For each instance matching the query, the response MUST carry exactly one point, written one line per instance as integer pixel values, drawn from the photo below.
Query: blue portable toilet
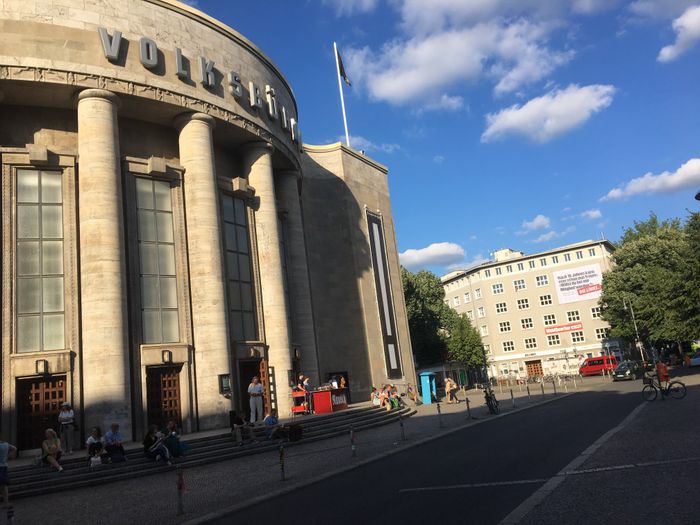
(427, 385)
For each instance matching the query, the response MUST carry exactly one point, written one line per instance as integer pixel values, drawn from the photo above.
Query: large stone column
(105, 351)
(207, 279)
(298, 273)
(257, 162)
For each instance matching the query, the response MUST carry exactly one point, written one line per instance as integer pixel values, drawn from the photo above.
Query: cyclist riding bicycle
(662, 372)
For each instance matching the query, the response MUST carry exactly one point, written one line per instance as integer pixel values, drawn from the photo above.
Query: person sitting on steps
(114, 444)
(94, 447)
(154, 445)
(51, 449)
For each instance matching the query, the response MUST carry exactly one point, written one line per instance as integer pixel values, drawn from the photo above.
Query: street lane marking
(562, 474)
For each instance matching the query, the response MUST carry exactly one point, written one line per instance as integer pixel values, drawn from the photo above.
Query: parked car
(628, 370)
(597, 365)
(695, 359)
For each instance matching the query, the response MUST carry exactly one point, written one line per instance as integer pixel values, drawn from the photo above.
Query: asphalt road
(532, 444)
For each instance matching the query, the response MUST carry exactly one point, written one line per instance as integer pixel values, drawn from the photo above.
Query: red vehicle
(597, 365)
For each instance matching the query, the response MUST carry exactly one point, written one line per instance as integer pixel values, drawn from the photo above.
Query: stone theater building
(166, 235)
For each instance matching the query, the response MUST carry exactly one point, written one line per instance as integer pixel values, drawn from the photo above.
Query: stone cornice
(129, 87)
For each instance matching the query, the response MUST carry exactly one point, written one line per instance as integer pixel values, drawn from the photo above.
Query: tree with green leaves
(464, 342)
(655, 272)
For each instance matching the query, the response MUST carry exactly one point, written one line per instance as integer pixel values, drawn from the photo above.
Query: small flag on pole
(341, 69)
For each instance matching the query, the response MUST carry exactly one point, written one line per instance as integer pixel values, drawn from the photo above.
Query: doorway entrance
(163, 395)
(534, 368)
(38, 404)
(246, 370)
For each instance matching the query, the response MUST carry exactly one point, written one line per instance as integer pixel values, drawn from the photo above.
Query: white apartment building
(537, 314)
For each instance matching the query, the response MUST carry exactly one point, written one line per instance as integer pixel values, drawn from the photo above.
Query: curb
(221, 513)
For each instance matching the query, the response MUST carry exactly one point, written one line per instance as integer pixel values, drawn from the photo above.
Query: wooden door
(534, 368)
(163, 395)
(38, 404)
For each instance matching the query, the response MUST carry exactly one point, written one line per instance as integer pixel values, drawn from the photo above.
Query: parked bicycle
(490, 398)
(675, 389)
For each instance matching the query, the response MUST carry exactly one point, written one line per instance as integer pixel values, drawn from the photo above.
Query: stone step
(77, 474)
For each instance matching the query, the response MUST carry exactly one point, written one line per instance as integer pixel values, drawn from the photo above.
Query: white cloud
(540, 222)
(359, 142)
(475, 261)
(687, 28)
(592, 214)
(437, 254)
(438, 159)
(546, 117)
(663, 9)
(350, 7)
(588, 7)
(552, 234)
(687, 176)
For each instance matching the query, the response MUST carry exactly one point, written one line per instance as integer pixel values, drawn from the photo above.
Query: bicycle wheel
(676, 390)
(649, 393)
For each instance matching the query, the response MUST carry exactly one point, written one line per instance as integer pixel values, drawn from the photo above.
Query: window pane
(168, 292)
(149, 260)
(52, 221)
(28, 334)
(53, 294)
(249, 326)
(147, 226)
(151, 326)
(166, 259)
(51, 187)
(232, 265)
(237, 321)
(242, 239)
(171, 331)
(244, 263)
(28, 258)
(28, 222)
(28, 295)
(144, 193)
(240, 211)
(165, 227)
(228, 209)
(149, 290)
(27, 186)
(234, 290)
(230, 233)
(162, 190)
(246, 296)
(52, 261)
(53, 332)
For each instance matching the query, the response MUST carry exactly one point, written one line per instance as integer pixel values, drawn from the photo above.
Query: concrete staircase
(31, 480)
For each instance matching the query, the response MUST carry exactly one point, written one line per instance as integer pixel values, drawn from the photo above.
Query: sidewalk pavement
(235, 483)
(647, 472)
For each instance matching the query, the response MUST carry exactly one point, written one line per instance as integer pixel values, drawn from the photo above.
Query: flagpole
(342, 98)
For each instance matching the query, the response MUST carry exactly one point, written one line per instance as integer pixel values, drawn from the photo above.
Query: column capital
(184, 118)
(100, 93)
(257, 147)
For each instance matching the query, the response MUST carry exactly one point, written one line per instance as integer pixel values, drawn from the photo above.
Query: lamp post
(625, 303)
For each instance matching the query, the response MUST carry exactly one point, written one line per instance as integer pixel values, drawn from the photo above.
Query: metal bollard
(512, 399)
(403, 433)
(353, 447)
(528, 392)
(575, 385)
(439, 411)
(10, 515)
(282, 476)
(554, 387)
(566, 388)
(542, 385)
(180, 484)
(469, 410)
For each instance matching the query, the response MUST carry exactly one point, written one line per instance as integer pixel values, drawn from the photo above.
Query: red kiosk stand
(328, 401)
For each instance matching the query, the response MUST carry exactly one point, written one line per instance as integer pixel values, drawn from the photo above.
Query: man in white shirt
(255, 391)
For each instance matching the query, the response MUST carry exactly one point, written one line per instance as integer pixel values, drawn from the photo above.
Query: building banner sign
(571, 327)
(578, 284)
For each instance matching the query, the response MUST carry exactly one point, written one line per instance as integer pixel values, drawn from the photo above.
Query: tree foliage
(656, 272)
(438, 333)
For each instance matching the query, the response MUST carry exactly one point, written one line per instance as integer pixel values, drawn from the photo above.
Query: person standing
(255, 391)
(6, 451)
(66, 420)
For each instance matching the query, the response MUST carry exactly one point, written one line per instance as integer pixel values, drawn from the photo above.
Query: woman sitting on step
(172, 440)
(94, 447)
(154, 445)
(51, 449)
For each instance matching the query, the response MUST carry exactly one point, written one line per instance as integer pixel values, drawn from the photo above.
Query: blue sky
(526, 124)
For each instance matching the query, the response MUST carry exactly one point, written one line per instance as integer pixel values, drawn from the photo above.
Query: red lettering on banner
(563, 328)
(589, 289)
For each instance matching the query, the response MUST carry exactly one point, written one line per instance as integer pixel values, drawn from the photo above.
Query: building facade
(536, 314)
(166, 235)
